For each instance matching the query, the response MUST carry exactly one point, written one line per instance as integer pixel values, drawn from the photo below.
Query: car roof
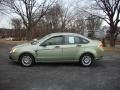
(65, 33)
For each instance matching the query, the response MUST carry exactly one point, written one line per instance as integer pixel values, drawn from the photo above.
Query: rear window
(75, 40)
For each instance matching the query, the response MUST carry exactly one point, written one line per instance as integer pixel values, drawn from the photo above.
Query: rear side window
(75, 40)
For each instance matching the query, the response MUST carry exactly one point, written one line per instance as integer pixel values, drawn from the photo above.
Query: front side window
(57, 40)
(75, 40)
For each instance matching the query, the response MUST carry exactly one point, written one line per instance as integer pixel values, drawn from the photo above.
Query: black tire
(26, 60)
(86, 60)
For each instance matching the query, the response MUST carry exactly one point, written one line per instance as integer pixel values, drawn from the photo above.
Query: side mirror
(35, 40)
(44, 45)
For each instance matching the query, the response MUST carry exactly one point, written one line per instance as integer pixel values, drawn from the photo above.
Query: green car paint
(59, 52)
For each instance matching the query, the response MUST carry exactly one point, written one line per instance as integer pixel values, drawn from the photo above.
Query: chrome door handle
(57, 46)
(78, 45)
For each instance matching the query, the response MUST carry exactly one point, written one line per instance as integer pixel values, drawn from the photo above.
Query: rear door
(72, 48)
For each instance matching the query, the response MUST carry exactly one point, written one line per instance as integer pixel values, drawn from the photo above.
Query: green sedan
(58, 47)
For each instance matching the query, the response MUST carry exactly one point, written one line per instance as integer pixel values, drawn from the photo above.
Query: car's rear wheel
(86, 60)
(26, 60)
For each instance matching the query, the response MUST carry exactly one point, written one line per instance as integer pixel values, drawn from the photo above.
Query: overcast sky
(5, 21)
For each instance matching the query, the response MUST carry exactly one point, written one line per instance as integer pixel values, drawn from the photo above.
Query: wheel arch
(26, 53)
(90, 53)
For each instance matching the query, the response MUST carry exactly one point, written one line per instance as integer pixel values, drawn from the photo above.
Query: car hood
(22, 45)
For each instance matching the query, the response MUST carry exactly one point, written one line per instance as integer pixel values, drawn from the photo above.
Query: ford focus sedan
(58, 47)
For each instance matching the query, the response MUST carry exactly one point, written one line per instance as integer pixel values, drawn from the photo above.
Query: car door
(50, 49)
(72, 48)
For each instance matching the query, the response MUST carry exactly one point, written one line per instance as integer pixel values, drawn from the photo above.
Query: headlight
(13, 50)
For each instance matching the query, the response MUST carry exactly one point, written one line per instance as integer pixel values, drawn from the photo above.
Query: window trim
(74, 43)
(53, 37)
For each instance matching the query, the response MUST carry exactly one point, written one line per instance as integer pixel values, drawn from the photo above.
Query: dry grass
(3, 41)
(112, 49)
(117, 42)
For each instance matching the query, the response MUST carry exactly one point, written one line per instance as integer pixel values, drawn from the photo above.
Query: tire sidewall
(86, 65)
(30, 56)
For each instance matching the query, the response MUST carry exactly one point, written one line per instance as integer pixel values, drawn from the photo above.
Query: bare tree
(30, 11)
(79, 25)
(1, 7)
(17, 26)
(111, 8)
(1, 1)
(59, 17)
(67, 16)
(53, 17)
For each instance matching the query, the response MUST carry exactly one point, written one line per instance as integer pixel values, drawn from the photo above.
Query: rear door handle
(78, 45)
(57, 46)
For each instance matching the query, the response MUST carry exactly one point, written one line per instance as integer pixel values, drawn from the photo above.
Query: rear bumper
(99, 54)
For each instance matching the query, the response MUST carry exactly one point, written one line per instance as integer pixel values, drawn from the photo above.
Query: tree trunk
(103, 42)
(19, 36)
(29, 33)
(112, 41)
(113, 35)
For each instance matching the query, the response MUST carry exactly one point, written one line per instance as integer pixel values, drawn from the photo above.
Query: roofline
(67, 33)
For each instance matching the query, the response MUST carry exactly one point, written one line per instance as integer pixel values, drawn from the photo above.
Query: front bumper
(10, 57)
(13, 57)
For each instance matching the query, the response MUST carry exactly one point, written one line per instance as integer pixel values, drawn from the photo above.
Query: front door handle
(78, 45)
(57, 46)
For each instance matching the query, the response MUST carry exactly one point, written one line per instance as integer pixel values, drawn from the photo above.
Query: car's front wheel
(86, 60)
(26, 60)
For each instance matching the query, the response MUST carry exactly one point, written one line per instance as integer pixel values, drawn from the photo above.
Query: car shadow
(61, 64)
(66, 64)
(14, 63)
(54, 64)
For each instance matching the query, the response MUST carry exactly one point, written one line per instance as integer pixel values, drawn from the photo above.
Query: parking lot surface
(103, 75)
